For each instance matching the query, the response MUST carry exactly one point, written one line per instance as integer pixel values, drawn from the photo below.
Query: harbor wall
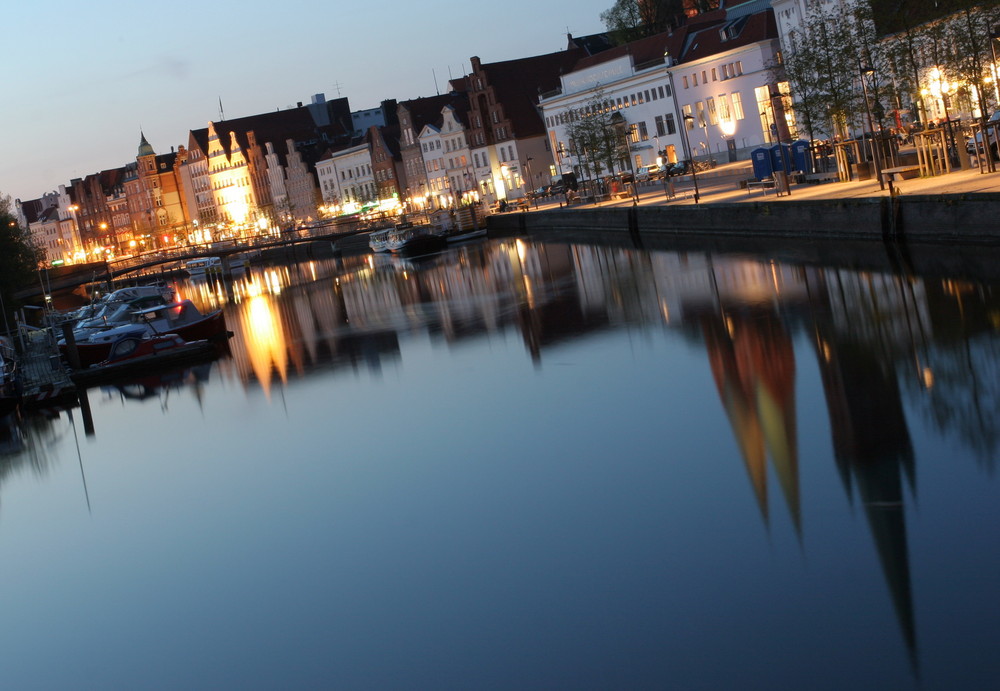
(949, 219)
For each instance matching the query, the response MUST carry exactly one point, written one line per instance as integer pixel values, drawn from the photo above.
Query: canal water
(519, 465)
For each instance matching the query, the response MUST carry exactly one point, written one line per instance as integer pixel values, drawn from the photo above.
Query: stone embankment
(950, 219)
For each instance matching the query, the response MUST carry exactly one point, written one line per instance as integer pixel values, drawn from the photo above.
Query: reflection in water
(882, 343)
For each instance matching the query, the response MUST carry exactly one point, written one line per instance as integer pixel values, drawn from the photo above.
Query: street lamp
(621, 129)
(687, 143)
(876, 154)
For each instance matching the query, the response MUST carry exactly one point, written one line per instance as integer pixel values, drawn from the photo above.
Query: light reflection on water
(520, 464)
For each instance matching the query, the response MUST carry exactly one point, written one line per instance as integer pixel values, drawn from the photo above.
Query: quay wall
(972, 219)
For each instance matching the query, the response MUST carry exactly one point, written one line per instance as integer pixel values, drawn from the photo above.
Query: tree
(629, 20)
(19, 257)
(593, 138)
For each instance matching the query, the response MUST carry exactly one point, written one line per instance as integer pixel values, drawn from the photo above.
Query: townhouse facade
(507, 135)
(413, 116)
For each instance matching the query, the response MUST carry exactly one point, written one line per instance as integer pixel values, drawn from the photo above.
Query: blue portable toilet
(762, 167)
(801, 158)
(781, 157)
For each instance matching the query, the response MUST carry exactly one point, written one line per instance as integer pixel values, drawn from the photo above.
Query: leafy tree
(18, 257)
(629, 20)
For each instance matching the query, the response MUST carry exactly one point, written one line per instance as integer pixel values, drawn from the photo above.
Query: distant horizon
(89, 86)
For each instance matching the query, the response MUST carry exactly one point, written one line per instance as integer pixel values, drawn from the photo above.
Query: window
(738, 105)
(699, 108)
(739, 67)
(669, 122)
(643, 134)
(685, 82)
(647, 95)
(713, 118)
(688, 118)
(633, 133)
(704, 76)
(724, 113)
(660, 129)
(714, 77)
(694, 79)
(660, 90)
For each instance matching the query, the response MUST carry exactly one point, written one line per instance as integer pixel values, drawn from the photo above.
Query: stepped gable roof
(274, 127)
(427, 110)
(517, 84)
(731, 34)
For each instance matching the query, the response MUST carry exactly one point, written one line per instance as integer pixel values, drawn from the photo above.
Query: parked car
(648, 172)
(679, 168)
(975, 143)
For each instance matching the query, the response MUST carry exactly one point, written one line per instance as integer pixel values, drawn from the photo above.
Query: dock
(45, 379)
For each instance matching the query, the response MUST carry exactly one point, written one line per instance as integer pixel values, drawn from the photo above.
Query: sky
(80, 81)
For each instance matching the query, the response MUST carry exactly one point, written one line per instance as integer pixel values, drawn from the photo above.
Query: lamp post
(876, 154)
(621, 129)
(687, 143)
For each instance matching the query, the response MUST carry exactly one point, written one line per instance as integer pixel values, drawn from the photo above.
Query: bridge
(330, 231)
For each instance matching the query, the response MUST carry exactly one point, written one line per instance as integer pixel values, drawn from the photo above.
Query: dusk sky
(82, 79)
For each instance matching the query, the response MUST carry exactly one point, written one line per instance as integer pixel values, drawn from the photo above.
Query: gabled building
(507, 135)
(387, 162)
(413, 116)
(292, 175)
(447, 158)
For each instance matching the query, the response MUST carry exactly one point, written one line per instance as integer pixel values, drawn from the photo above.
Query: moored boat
(410, 239)
(203, 266)
(378, 239)
(181, 318)
(131, 355)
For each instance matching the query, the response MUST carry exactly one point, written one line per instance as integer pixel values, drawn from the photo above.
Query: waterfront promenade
(722, 185)
(958, 208)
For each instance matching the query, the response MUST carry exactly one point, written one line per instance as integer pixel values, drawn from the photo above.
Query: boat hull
(211, 328)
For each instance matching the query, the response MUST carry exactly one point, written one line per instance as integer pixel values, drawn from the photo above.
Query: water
(520, 465)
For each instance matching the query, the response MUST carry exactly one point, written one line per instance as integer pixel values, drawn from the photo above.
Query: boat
(112, 314)
(132, 355)
(10, 379)
(181, 318)
(409, 239)
(378, 239)
(203, 266)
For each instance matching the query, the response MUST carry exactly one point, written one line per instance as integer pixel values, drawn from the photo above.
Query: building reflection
(882, 342)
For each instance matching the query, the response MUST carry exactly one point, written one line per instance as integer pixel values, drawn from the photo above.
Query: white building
(715, 76)
(345, 178)
(447, 159)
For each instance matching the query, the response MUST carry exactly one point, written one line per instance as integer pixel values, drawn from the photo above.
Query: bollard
(72, 354)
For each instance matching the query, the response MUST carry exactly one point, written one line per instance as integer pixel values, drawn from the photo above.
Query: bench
(765, 184)
(904, 173)
(817, 178)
